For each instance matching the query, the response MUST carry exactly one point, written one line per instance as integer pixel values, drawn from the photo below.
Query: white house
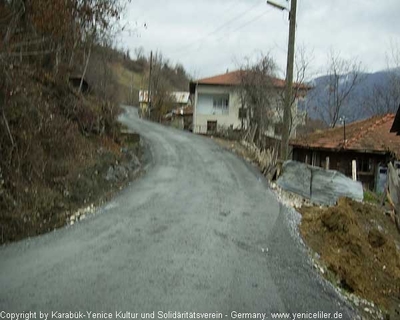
(217, 104)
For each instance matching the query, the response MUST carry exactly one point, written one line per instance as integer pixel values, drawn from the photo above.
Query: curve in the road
(200, 232)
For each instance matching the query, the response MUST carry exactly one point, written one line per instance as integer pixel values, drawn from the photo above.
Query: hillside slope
(56, 149)
(61, 149)
(132, 75)
(377, 93)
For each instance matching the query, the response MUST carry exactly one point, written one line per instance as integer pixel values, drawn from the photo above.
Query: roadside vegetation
(58, 139)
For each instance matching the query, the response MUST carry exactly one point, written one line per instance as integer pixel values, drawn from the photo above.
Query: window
(364, 165)
(221, 104)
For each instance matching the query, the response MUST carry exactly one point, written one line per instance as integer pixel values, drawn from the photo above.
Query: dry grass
(124, 78)
(61, 144)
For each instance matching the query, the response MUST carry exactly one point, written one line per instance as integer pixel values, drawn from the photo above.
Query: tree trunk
(71, 59)
(84, 71)
(8, 128)
(57, 59)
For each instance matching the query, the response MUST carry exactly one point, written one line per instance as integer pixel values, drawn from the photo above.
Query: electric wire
(216, 30)
(254, 19)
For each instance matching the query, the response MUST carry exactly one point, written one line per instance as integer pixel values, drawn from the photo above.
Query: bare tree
(257, 93)
(161, 100)
(303, 60)
(100, 75)
(32, 30)
(385, 96)
(12, 11)
(263, 94)
(139, 53)
(343, 77)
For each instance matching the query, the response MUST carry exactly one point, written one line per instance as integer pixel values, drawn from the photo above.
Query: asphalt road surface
(199, 232)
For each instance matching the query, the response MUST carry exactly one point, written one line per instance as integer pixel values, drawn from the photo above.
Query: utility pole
(343, 120)
(289, 77)
(289, 82)
(344, 132)
(149, 89)
(131, 97)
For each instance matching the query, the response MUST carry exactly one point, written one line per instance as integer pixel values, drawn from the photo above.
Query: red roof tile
(233, 79)
(371, 135)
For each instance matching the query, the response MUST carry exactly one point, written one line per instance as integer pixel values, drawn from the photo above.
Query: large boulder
(318, 185)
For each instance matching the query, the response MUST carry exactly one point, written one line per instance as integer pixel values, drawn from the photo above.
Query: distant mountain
(377, 92)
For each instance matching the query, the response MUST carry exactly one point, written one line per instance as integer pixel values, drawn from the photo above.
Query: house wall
(367, 163)
(204, 109)
(274, 130)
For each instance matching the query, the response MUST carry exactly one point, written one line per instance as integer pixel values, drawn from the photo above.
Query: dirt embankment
(59, 151)
(359, 245)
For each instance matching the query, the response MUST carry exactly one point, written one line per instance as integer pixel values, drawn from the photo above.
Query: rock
(356, 301)
(82, 217)
(134, 162)
(110, 174)
(116, 173)
(321, 186)
(296, 178)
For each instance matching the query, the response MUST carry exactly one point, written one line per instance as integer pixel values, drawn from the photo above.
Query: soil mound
(360, 246)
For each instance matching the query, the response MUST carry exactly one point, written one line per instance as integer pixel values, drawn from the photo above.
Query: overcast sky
(210, 36)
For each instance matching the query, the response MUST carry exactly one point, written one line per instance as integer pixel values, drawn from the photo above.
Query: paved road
(199, 232)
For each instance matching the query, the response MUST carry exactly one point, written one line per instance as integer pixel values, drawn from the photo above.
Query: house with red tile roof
(217, 103)
(369, 142)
